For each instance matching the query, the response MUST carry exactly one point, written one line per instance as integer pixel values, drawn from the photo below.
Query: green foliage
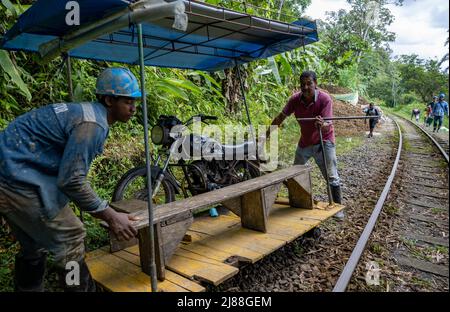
(405, 111)
(8, 67)
(422, 77)
(272, 9)
(409, 98)
(348, 77)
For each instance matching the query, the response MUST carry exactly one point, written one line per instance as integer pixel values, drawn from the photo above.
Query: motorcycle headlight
(157, 135)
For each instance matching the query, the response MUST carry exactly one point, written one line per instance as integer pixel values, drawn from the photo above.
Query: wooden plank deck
(211, 251)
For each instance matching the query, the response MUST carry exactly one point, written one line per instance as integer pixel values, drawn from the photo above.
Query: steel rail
(353, 261)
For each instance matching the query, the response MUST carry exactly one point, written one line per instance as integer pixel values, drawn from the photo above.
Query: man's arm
(276, 122)
(326, 111)
(82, 146)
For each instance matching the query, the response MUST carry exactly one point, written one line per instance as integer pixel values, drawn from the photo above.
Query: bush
(409, 98)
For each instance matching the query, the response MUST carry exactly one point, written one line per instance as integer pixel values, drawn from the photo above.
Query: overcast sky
(420, 25)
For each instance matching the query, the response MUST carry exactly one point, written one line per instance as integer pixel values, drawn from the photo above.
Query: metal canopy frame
(231, 23)
(170, 45)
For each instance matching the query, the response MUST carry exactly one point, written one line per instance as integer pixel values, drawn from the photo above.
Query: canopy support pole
(69, 76)
(66, 56)
(241, 82)
(153, 280)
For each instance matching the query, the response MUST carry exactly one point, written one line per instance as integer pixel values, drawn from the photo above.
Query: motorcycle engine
(205, 176)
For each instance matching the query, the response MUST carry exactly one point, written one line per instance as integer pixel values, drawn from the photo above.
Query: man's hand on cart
(119, 223)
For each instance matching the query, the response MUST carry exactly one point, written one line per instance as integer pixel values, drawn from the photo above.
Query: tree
(445, 57)
(351, 34)
(422, 77)
(290, 9)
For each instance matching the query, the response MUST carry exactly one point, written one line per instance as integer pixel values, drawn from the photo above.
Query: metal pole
(246, 104)
(339, 118)
(330, 198)
(153, 280)
(70, 85)
(69, 76)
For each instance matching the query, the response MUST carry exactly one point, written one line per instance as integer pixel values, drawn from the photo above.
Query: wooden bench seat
(251, 200)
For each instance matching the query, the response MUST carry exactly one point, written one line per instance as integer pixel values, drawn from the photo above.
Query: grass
(420, 282)
(391, 210)
(346, 144)
(405, 111)
(377, 248)
(437, 211)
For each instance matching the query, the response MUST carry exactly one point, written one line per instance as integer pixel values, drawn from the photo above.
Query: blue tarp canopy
(215, 38)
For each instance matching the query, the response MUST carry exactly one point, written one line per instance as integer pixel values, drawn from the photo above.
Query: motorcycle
(212, 170)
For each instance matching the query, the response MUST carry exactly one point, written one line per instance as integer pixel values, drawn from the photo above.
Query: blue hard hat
(117, 81)
(442, 95)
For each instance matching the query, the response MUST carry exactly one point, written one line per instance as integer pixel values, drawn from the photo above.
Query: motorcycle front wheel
(133, 185)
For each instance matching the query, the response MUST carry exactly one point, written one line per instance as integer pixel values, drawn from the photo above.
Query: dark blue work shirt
(51, 149)
(440, 108)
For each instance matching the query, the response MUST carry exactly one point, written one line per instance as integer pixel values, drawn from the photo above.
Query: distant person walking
(439, 110)
(416, 113)
(428, 119)
(372, 111)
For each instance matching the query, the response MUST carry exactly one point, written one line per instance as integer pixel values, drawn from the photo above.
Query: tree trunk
(231, 89)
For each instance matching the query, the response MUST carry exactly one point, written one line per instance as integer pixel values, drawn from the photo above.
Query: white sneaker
(340, 215)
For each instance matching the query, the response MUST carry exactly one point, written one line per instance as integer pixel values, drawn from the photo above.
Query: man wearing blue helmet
(440, 109)
(45, 157)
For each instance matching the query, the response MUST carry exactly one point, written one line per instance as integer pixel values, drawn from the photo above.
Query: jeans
(438, 121)
(303, 154)
(63, 236)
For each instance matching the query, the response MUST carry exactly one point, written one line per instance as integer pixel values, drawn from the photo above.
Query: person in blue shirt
(45, 157)
(440, 109)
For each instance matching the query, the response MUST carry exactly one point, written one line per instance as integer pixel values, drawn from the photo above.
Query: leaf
(177, 92)
(78, 93)
(209, 78)
(9, 7)
(10, 69)
(185, 84)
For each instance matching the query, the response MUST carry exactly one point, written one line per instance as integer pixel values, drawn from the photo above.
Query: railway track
(420, 176)
(425, 196)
